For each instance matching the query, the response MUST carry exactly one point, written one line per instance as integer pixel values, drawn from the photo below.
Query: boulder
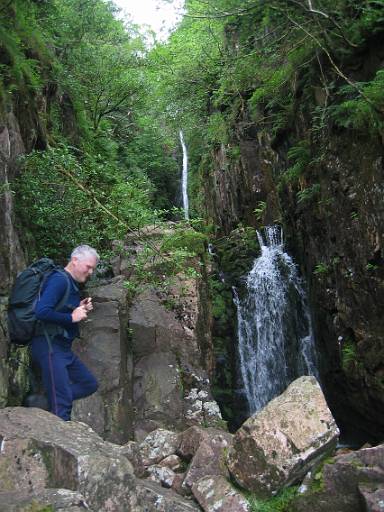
(103, 347)
(278, 445)
(41, 451)
(351, 483)
(215, 494)
(153, 498)
(158, 445)
(59, 500)
(209, 458)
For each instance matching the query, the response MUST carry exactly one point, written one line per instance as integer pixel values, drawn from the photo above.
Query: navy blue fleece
(53, 291)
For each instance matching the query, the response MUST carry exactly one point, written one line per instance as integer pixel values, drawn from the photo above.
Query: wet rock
(209, 458)
(215, 494)
(59, 500)
(40, 451)
(152, 498)
(158, 445)
(278, 445)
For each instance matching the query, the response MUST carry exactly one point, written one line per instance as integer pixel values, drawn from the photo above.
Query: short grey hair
(83, 251)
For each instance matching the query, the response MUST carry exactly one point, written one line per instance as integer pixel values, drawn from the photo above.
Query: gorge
(282, 110)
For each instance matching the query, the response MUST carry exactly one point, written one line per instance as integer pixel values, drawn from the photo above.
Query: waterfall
(184, 177)
(276, 343)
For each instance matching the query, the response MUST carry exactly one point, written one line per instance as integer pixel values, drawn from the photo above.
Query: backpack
(22, 322)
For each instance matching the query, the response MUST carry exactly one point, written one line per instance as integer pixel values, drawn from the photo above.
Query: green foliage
(188, 239)
(321, 268)
(175, 255)
(299, 157)
(348, 355)
(60, 215)
(217, 129)
(260, 210)
(280, 503)
(364, 111)
(308, 194)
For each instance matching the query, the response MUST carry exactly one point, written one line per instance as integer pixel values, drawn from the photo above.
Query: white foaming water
(184, 177)
(276, 343)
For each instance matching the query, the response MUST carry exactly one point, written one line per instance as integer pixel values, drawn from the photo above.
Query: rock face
(40, 451)
(171, 386)
(333, 221)
(103, 347)
(352, 483)
(11, 257)
(278, 445)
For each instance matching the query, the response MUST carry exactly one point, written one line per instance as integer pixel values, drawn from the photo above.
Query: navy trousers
(65, 377)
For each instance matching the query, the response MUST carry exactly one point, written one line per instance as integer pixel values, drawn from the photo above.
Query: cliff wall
(325, 186)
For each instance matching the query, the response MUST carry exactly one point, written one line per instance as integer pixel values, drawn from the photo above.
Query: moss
(237, 252)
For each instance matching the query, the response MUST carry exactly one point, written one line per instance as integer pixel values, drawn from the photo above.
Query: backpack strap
(64, 299)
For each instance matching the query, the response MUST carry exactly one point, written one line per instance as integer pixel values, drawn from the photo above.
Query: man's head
(82, 263)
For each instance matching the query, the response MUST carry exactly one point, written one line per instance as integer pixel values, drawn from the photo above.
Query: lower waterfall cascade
(275, 337)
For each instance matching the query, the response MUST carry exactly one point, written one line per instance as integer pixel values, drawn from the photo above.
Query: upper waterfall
(276, 343)
(184, 177)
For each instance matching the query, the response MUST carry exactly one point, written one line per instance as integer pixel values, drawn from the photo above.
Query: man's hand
(79, 314)
(87, 303)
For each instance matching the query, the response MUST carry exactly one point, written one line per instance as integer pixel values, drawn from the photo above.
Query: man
(65, 377)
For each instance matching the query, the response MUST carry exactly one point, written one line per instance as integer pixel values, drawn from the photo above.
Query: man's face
(83, 268)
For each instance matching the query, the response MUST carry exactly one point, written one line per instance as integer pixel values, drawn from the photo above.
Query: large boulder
(278, 445)
(351, 483)
(103, 347)
(40, 451)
